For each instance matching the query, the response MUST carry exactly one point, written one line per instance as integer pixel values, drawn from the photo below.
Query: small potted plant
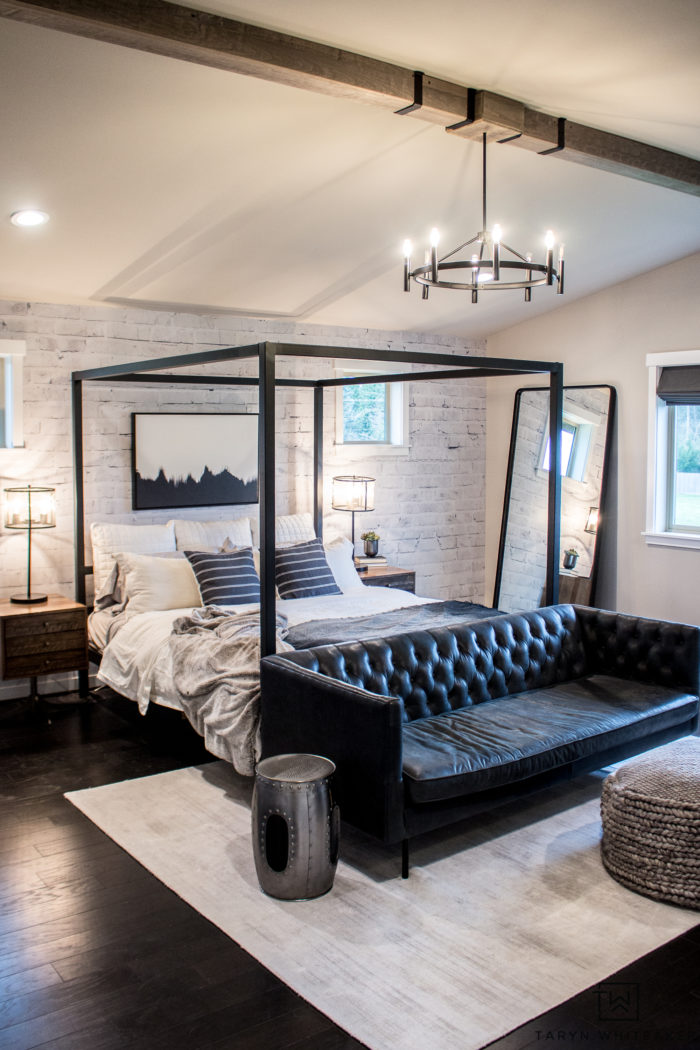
(570, 558)
(371, 539)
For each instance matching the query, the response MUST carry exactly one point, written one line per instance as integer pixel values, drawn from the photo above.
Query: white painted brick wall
(429, 504)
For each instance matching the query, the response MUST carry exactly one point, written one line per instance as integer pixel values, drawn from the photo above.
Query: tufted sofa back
(457, 666)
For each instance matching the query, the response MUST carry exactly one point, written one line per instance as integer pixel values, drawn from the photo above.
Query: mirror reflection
(585, 445)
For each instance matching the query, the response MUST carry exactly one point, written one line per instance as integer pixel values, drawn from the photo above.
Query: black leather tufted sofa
(429, 727)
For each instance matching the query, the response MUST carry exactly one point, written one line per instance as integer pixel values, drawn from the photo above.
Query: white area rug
(496, 924)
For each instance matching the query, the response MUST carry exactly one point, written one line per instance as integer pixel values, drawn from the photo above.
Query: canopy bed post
(556, 419)
(266, 474)
(318, 461)
(79, 511)
(78, 489)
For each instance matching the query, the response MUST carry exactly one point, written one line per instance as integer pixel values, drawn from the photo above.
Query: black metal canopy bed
(265, 625)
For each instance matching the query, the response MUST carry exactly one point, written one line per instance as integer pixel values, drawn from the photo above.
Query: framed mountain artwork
(193, 459)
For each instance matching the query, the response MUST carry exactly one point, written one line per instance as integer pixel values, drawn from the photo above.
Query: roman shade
(679, 385)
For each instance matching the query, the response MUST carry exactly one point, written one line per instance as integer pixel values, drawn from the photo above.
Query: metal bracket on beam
(417, 95)
(471, 111)
(511, 138)
(561, 139)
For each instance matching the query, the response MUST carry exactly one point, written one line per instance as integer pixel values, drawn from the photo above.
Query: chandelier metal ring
(422, 275)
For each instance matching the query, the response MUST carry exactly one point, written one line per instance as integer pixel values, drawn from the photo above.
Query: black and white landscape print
(193, 459)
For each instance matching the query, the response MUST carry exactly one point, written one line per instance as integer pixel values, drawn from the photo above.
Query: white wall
(429, 504)
(604, 339)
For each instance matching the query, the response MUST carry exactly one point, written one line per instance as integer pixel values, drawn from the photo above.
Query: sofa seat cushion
(509, 739)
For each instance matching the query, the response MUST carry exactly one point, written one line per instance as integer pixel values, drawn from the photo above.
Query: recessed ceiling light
(29, 217)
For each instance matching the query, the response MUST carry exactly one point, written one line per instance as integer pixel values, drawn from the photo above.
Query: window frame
(12, 354)
(659, 457)
(582, 422)
(397, 431)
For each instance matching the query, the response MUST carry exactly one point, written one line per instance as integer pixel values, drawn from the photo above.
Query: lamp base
(29, 599)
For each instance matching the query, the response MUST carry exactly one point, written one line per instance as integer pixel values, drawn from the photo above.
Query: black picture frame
(193, 459)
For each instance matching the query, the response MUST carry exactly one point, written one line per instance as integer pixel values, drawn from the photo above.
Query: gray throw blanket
(216, 672)
(380, 625)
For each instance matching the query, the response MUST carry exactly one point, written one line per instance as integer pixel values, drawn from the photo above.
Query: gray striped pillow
(302, 571)
(226, 579)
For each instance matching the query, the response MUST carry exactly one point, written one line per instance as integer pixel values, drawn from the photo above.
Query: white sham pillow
(294, 528)
(339, 553)
(108, 537)
(199, 535)
(149, 583)
(289, 529)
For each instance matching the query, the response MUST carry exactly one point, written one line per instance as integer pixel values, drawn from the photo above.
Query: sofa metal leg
(404, 859)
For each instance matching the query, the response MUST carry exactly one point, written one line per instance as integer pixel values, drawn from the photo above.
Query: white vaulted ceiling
(188, 187)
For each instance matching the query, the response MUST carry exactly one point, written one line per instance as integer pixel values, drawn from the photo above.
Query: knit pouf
(651, 823)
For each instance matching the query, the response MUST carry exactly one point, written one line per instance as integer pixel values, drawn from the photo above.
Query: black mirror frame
(603, 523)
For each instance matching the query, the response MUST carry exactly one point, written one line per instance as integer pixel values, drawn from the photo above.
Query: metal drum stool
(295, 826)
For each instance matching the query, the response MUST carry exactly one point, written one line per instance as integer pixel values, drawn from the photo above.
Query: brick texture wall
(429, 503)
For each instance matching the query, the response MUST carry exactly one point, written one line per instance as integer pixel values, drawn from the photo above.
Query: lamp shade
(591, 521)
(32, 507)
(352, 492)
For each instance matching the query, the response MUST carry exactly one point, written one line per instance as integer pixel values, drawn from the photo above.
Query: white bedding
(137, 660)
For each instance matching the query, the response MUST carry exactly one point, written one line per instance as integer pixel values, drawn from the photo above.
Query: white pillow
(339, 553)
(152, 583)
(294, 528)
(108, 538)
(198, 535)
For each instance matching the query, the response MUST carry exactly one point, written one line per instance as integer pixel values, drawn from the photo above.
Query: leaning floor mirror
(586, 439)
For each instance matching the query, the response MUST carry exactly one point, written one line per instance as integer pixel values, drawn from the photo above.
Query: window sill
(351, 450)
(689, 540)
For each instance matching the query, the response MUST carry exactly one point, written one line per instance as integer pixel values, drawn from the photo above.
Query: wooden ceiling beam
(175, 31)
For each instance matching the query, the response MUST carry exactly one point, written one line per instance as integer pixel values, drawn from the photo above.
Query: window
(366, 413)
(568, 437)
(576, 434)
(371, 414)
(683, 488)
(673, 467)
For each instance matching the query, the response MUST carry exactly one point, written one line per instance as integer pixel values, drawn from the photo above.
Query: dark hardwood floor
(96, 954)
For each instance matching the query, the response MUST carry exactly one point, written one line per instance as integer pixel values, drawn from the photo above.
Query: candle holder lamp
(355, 494)
(28, 509)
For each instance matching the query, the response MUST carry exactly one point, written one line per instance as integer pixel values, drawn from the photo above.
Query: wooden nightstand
(42, 639)
(389, 576)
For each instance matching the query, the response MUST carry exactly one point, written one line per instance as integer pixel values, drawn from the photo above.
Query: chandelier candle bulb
(434, 241)
(549, 262)
(560, 278)
(407, 247)
(475, 278)
(496, 237)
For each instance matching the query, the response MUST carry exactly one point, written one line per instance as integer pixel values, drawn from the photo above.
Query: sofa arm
(658, 651)
(304, 711)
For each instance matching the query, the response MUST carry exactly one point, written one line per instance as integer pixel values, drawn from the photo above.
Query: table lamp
(30, 508)
(355, 494)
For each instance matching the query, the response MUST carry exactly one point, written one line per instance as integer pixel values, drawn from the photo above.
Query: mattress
(137, 660)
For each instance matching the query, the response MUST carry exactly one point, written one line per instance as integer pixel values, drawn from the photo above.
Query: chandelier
(487, 266)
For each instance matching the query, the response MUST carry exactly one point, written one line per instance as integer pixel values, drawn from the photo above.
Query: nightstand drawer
(45, 663)
(48, 642)
(389, 576)
(49, 623)
(403, 583)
